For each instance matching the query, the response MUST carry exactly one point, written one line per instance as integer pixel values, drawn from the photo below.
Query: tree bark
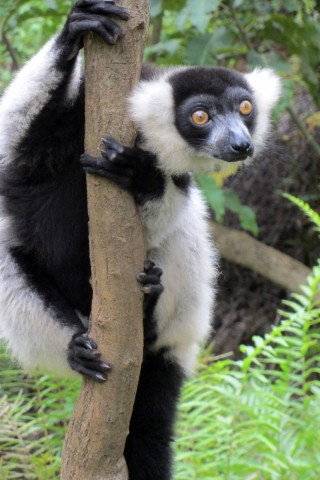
(242, 249)
(97, 432)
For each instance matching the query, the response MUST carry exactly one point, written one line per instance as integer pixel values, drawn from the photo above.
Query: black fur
(182, 182)
(84, 357)
(150, 280)
(151, 429)
(133, 169)
(44, 193)
(219, 94)
(89, 15)
(214, 81)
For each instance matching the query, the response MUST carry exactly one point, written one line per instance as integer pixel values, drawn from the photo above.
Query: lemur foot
(91, 15)
(83, 357)
(150, 281)
(132, 169)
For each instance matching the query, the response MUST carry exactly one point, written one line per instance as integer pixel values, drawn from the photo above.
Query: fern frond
(305, 207)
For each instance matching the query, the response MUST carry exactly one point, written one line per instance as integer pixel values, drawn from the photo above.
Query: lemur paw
(92, 15)
(118, 163)
(83, 357)
(132, 169)
(150, 279)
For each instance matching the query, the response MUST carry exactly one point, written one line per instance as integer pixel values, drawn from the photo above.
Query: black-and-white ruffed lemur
(189, 120)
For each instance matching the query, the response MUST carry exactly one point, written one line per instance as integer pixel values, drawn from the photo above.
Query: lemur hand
(91, 15)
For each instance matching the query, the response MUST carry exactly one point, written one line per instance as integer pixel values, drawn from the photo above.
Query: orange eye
(200, 117)
(245, 107)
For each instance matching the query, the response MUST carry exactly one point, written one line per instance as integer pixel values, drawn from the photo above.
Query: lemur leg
(41, 336)
(43, 219)
(148, 447)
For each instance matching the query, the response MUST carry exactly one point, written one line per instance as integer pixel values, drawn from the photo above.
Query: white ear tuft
(266, 87)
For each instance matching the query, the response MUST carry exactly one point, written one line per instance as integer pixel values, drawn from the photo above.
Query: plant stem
(242, 33)
(315, 146)
(12, 53)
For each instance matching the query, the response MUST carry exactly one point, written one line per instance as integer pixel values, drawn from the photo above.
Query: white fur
(178, 239)
(75, 80)
(152, 108)
(28, 93)
(177, 231)
(266, 88)
(29, 329)
(25, 97)
(178, 242)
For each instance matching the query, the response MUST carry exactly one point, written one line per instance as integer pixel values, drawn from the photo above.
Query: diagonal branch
(241, 249)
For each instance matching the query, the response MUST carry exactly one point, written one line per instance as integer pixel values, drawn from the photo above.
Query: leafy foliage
(284, 35)
(222, 199)
(259, 417)
(24, 27)
(309, 212)
(34, 412)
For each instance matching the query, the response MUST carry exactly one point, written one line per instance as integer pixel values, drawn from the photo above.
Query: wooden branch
(240, 248)
(12, 53)
(97, 433)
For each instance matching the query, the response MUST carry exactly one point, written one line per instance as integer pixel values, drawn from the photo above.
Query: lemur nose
(241, 147)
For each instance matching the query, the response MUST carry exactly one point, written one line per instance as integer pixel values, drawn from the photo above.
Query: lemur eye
(200, 117)
(245, 107)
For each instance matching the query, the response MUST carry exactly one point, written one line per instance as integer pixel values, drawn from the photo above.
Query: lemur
(189, 119)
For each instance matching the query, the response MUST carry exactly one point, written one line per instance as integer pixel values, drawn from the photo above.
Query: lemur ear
(266, 88)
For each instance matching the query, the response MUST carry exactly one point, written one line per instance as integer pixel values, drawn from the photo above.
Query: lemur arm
(53, 74)
(44, 263)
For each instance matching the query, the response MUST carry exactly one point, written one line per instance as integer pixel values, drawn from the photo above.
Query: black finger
(87, 342)
(144, 278)
(152, 288)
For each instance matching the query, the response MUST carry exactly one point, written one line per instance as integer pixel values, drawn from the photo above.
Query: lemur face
(201, 119)
(216, 117)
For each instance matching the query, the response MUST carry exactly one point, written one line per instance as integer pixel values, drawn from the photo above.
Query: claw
(83, 357)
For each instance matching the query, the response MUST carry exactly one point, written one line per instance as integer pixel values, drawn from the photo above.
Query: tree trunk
(97, 433)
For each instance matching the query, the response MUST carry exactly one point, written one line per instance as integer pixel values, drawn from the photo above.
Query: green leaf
(156, 7)
(51, 4)
(213, 195)
(197, 13)
(247, 216)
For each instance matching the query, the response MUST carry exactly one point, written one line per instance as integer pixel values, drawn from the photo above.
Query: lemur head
(201, 119)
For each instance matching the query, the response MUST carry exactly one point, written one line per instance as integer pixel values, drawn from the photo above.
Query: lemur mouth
(229, 154)
(233, 155)
(234, 158)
